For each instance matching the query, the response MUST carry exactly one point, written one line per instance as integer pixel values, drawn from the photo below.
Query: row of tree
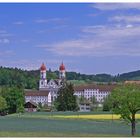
(29, 79)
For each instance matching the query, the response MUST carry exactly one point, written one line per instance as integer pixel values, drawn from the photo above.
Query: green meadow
(50, 125)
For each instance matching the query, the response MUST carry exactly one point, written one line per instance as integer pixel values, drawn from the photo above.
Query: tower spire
(43, 80)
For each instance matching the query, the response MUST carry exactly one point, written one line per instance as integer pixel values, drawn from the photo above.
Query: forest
(29, 79)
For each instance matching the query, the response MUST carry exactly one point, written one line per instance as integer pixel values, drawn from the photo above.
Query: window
(41, 82)
(87, 108)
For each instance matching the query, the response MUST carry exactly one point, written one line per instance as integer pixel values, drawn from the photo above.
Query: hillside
(135, 75)
(29, 79)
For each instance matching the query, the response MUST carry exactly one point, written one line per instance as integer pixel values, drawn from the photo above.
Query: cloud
(4, 41)
(4, 33)
(58, 20)
(116, 6)
(4, 37)
(23, 64)
(126, 19)
(24, 40)
(93, 14)
(129, 26)
(41, 21)
(35, 64)
(18, 23)
(54, 29)
(100, 41)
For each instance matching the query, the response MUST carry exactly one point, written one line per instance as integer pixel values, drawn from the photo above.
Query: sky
(89, 38)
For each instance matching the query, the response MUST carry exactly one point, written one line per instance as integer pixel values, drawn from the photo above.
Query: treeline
(29, 79)
(22, 78)
(18, 77)
(135, 75)
(97, 77)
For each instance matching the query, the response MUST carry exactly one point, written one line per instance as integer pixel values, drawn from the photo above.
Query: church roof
(43, 67)
(62, 67)
(36, 92)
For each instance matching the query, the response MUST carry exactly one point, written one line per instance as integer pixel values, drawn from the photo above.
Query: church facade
(48, 89)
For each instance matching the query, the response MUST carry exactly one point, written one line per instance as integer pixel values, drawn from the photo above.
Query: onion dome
(43, 67)
(62, 67)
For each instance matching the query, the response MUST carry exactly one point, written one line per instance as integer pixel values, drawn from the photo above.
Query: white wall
(88, 93)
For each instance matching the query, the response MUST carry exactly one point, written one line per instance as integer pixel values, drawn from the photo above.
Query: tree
(94, 103)
(66, 100)
(20, 109)
(125, 100)
(106, 105)
(3, 104)
(40, 105)
(82, 100)
(14, 97)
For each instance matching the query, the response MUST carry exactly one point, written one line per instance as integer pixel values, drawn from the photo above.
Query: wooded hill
(29, 79)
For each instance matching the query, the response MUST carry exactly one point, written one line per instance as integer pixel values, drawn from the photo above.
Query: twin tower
(43, 84)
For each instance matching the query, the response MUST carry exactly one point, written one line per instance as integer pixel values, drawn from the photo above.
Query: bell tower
(62, 72)
(43, 80)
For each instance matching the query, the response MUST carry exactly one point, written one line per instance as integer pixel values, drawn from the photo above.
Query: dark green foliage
(14, 97)
(40, 105)
(3, 104)
(18, 77)
(106, 104)
(135, 75)
(66, 100)
(29, 79)
(93, 103)
(104, 77)
(93, 100)
(83, 100)
(125, 100)
(20, 109)
(51, 75)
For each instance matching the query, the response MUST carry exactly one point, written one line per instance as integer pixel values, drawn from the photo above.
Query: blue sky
(89, 38)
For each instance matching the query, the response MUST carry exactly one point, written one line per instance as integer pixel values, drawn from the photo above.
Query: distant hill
(135, 75)
(29, 79)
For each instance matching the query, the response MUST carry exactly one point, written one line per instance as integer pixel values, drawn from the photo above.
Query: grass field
(62, 124)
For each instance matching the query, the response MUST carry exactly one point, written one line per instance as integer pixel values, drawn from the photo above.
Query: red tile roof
(36, 93)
